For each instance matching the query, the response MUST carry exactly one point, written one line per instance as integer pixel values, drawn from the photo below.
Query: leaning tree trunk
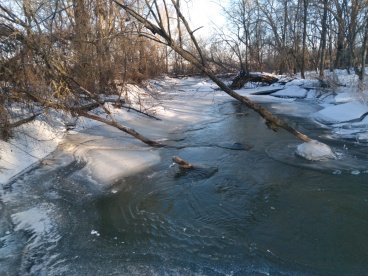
(272, 121)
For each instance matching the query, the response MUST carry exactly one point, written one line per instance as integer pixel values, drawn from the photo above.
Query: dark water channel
(250, 208)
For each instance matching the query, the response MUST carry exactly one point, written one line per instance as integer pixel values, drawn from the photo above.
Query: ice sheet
(31, 143)
(342, 113)
(108, 162)
(37, 221)
(291, 92)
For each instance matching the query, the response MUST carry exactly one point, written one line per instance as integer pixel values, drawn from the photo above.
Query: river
(251, 207)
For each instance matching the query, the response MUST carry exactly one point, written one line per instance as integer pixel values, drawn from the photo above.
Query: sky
(206, 13)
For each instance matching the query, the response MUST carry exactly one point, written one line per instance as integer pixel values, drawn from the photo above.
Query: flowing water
(250, 207)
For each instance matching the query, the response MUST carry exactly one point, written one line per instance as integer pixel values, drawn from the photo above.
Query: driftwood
(242, 78)
(182, 163)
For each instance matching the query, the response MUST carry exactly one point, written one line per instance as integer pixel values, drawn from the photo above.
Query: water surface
(251, 207)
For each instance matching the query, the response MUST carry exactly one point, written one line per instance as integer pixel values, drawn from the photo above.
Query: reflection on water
(253, 211)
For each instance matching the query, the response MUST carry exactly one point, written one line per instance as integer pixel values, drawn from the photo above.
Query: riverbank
(342, 108)
(110, 153)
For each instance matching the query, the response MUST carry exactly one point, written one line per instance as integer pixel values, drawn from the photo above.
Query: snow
(108, 164)
(363, 137)
(32, 142)
(312, 94)
(315, 151)
(342, 77)
(36, 221)
(294, 108)
(110, 154)
(345, 97)
(262, 90)
(341, 108)
(95, 232)
(342, 113)
(291, 92)
(303, 82)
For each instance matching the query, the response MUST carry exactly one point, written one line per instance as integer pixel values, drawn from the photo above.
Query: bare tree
(60, 56)
(293, 36)
(197, 59)
(304, 43)
(364, 49)
(323, 39)
(353, 11)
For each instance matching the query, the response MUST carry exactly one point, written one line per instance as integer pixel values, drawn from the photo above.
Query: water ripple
(347, 161)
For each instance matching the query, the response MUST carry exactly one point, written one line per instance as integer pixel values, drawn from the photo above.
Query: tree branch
(24, 121)
(121, 127)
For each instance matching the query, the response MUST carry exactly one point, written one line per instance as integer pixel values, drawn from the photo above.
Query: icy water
(251, 207)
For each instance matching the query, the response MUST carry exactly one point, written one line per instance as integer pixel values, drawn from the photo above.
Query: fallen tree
(244, 77)
(161, 32)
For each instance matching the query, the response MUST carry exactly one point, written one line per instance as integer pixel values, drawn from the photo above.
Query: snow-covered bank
(110, 154)
(31, 143)
(179, 103)
(342, 108)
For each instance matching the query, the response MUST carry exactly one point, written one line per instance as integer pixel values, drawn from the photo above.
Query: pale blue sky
(203, 13)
